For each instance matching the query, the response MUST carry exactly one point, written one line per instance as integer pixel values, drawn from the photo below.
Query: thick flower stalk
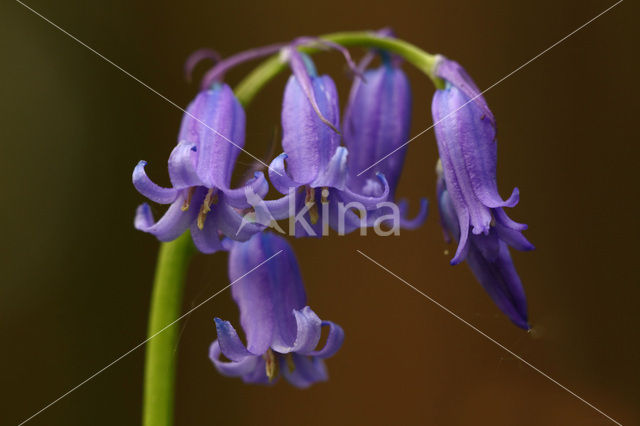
(282, 331)
(466, 135)
(376, 122)
(200, 168)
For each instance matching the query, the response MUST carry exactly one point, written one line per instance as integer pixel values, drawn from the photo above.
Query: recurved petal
(308, 329)
(334, 341)
(174, 222)
(279, 177)
(149, 189)
(182, 166)
(513, 238)
(232, 369)
(230, 343)
(418, 220)
(335, 173)
(369, 202)
(238, 197)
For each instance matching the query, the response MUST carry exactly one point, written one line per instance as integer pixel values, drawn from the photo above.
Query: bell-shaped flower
(200, 168)
(466, 135)
(282, 332)
(376, 122)
(313, 159)
(487, 254)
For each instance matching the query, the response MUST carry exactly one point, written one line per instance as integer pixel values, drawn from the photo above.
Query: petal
(334, 341)
(455, 74)
(308, 142)
(149, 189)
(307, 371)
(369, 203)
(206, 239)
(230, 344)
(418, 220)
(335, 175)
(463, 153)
(174, 222)
(233, 224)
(233, 368)
(501, 281)
(182, 166)
(513, 238)
(502, 218)
(238, 197)
(221, 127)
(282, 208)
(279, 177)
(266, 294)
(377, 122)
(308, 330)
(300, 69)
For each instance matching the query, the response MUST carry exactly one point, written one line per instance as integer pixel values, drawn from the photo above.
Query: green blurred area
(77, 276)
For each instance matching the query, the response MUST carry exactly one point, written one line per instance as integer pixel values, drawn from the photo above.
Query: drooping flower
(313, 160)
(282, 332)
(488, 256)
(466, 135)
(377, 122)
(200, 168)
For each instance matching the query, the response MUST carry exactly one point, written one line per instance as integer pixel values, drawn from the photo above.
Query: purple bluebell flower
(466, 135)
(282, 332)
(377, 121)
(313, 159)
(200, 168)
(488, 256)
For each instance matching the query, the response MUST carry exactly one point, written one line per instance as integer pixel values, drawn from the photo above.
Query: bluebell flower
(200, 168)
(466, 135)
(313, 161)
(376, 122)
(488, 256)
(282, 332)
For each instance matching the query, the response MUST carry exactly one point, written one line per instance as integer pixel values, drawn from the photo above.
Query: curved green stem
(263, 73)
(166, 302)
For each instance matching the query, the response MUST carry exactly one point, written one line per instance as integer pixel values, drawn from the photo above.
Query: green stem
(166, 302)
(263, 73)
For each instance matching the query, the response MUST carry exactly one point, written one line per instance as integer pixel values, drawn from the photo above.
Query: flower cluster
(338, 172)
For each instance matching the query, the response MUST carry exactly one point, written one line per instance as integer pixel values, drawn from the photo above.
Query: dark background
(76, 276)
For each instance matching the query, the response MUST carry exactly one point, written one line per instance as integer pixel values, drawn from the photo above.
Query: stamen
(210, 198)
(325, 195)
(187, 201)
(310, 202)
(270, 365)
(290, 364)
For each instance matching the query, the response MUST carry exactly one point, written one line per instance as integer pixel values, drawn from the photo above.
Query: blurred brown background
(76, 276)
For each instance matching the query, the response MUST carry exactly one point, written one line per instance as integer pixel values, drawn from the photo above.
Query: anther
(187, 201)
(209, 199)
(270, 365)
(310, 203)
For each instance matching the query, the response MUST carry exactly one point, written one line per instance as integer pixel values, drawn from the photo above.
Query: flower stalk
(166, 301)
